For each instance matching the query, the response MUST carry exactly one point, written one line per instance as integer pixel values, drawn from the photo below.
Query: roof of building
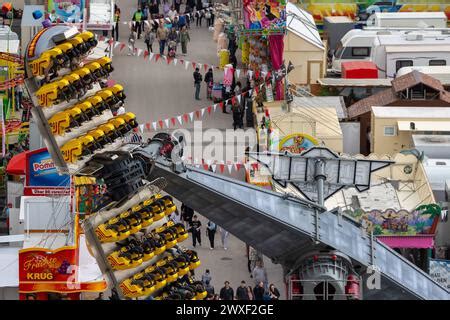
(390, 95)
(301, 23)
(412, 112)
(336, 102)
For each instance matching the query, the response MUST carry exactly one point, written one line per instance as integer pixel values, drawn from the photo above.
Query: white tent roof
(9, 267)
(302, 24)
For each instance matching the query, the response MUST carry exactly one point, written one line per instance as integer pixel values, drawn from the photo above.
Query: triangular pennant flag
(166, 121)
(221, 105)
(205, 166)
(181, 61)
(222, 167)
(208, 161)
(203, 111)
(111, 41)
(191, 116)
(197, 113)
(180, 119)
(230, 168)
(169, 60)
(238, 166)
(154, 125)
(148, 126)
(250, 93)
(205, 66)
(139, 52)
(213, 167)
(150, 56)
(268, 75)
(238, 72)
(215, 107)
(117, 44)
(193, 65)
(185, 116)
(161, 124)
(255, 165)
(173, 120)
(239, 98)
(141, 128)
(257, 74)
(250, 73)
(101, 38)
(197, 165)
(199, 66)
(135, 129)
(247, 166)
(175, 61)
(122, 45)
(157, 56)
(209, 109)
(233, 100)
(186, 64)
(145, 54)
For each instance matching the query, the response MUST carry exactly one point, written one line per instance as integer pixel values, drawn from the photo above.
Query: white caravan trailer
(407, 20)
(392, 50)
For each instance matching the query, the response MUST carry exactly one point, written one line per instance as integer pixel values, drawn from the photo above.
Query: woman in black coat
(273, 292)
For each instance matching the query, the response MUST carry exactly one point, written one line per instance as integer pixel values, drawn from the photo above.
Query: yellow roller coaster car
(98, 104)
(146, 282)
(89, 39)
(54, 93)
(72, 150)
(107, 96)
(99, 136)
(78, 44)
(130, 120)
(134, 219)
(125, 258)
(66, 49)
(87, 108)
(59, 123)
(52, 58)
(117, 89)
(119, 124)
(106, 64)
(131, 288)
(110, 132)
(95, 69)
(86, 76)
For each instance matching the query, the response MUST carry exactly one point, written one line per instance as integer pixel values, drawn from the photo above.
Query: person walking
(195, 229)
(177, 5)
(242, 292)
(186, 214)
(209, 288)
(161, 35)
(224, 237)
(172, 13)
(197, 83)
(187, 15)
(115, 29)
(138, 19)
(250, 293)
(258, 291)
(274, 294)
(237, 116)
(154, 7)
(100, 296)
(175, 216)
(209, 79)
(259, 274)
(190, 4)
(211, 229)
(226, 293)
(149, 39)
(199, 13)
(253, 257)
(132, 43)
(184, 39)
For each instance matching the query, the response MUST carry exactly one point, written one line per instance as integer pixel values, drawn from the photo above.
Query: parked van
(407, 20)
(393, 50)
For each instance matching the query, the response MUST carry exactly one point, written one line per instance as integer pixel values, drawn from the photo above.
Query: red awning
(17, 164)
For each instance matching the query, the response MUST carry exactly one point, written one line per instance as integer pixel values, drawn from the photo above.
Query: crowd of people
(244, 292)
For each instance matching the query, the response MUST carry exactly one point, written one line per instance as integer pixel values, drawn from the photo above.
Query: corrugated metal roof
(324, 102)
(301, 23)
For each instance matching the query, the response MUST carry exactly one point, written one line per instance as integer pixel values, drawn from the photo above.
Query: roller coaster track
(284, 228)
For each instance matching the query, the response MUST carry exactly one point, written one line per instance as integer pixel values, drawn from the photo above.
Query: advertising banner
(42, 177)
(66, 10)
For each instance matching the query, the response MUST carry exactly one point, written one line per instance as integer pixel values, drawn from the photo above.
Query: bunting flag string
(174, 61)
(215, 165)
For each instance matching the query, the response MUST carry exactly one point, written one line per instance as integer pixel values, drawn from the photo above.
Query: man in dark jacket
(237, 116)
(226, 293)
(197, 83)
(258, 291)
(195, 229)
(209, 79)
(241, 292)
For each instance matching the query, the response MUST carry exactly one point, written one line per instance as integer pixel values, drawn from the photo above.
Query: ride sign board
(42, 177)
(440, 272)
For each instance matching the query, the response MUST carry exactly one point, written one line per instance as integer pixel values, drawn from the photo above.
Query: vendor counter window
(390, 131)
